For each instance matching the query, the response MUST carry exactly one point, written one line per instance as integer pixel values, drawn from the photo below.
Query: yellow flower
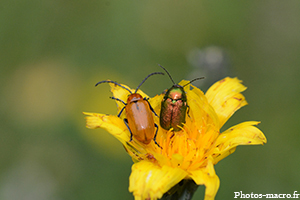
(187, 154)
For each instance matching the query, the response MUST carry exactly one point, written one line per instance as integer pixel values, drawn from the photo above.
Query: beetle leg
(120, 101)
(121, 112)
(126, 123)
(150, 106)
(156, 135)
(188, 111)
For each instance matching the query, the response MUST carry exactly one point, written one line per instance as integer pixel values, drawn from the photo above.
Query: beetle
(139, 121)
(174, 106)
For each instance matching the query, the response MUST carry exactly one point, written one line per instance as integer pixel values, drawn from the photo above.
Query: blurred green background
(53, 52)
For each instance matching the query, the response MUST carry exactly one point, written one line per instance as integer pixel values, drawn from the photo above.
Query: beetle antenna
(114, 83)
(194, 80)
(167, 73)
(147, 78)
(118, 100)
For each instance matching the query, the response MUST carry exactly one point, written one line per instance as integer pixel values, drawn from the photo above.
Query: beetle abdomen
(141, 121)
(172, 114)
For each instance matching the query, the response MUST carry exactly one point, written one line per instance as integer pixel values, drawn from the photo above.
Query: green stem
(184, 190)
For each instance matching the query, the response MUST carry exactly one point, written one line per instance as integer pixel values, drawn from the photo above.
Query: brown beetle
(139, 121)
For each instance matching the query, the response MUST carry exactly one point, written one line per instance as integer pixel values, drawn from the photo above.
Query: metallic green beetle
(174, 106)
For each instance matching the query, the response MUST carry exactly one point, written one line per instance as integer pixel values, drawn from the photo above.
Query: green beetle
(174, 106)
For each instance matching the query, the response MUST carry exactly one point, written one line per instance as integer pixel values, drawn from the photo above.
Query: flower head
(190, 153)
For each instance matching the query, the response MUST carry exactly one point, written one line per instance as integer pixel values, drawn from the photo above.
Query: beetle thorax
(134, 97)
(177, 94)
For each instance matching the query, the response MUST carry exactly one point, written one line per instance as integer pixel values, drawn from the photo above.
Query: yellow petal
(150, 181)
(225, 97)
(155, 103)
(122, 93)
(200, 107)
(113, 124)
(208, 177)
(183, 82)
(242, 134)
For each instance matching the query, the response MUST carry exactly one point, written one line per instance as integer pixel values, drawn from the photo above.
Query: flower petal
(155, 103)
(242, 134)
(199, 105)
(113, 124)
(208, 177)
(150, 181)
(225, 97)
